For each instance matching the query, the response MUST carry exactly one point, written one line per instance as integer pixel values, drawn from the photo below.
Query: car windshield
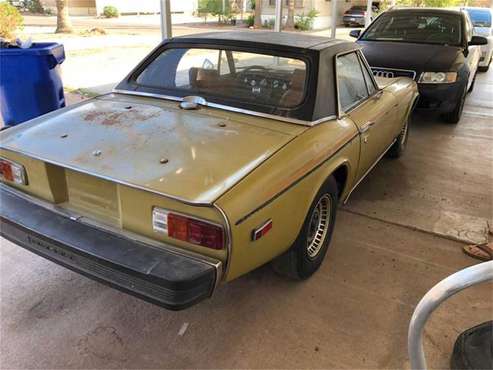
(480, 17)
(416, 27)
(245, 77)
(357, 9)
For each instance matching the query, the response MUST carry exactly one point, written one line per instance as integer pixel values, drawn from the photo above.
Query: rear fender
(286, 205)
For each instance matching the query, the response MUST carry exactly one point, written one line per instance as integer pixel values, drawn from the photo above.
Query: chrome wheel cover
(318, 226)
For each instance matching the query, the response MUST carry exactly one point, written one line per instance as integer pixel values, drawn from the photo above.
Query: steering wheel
(252, 68)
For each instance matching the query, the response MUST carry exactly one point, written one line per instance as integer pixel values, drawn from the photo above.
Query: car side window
(369, 81)
(351, 81)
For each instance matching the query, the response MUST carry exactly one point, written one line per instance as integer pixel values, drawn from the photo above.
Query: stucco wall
(76, 7)
(324, 8)
(95, 7)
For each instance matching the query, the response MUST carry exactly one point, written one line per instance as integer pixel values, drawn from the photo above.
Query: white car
(482, 21)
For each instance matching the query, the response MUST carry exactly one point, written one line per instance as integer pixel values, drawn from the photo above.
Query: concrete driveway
(393, 242)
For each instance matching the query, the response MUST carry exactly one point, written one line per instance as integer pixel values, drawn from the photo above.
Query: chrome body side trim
(368, 171)
(218, 265)
(229, 244)
(229, 108)
(281, 192)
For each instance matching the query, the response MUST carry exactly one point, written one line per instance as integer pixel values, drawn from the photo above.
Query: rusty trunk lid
(193, 156)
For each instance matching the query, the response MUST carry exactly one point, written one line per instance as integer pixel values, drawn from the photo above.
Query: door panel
(375, 119)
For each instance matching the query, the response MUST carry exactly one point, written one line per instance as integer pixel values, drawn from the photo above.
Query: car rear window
(433, 28)
(480, 17)
(232, 75)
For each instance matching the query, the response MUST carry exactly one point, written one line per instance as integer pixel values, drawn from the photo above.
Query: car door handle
(366, 126)
(378, 94)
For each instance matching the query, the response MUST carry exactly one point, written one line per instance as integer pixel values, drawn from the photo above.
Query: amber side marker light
(262, 230)
(13, 172)
(187, 229)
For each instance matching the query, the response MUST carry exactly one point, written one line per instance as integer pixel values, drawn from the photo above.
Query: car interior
(254, 78)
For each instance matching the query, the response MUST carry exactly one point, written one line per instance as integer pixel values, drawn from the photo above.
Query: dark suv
(435, 47)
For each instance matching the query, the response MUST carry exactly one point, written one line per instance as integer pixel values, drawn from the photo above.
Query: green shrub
(10, 20)
(34, 6)
(305, 22)
(215, 8)
(250, 21)
(110, 11)
(269, 23)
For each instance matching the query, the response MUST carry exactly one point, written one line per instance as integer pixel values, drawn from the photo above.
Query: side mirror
(356, 33)
(478, 40)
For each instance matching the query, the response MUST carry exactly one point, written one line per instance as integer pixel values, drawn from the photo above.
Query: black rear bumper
(160, 276)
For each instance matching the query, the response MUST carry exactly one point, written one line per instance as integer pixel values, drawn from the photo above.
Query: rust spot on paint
(128, 116)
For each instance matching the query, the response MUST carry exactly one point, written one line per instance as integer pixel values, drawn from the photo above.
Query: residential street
(401, 233)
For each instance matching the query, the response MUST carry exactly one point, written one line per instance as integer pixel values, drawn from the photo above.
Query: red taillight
(188, 229)
(13, 172)
(6, 170)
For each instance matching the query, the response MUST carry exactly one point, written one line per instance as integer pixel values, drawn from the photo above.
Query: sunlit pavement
(393, 242)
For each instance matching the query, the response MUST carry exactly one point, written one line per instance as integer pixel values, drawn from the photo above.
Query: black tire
(398, 148)
(456, 113)
(303, 259)
(485, 69)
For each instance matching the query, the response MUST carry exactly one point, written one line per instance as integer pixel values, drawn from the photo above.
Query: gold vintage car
(217, 154)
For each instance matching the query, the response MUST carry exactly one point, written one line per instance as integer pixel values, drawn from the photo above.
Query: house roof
(288, 39)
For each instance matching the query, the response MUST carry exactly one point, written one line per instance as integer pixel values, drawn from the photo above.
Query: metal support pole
(446, 288)
(278, 23)
(333, 19)
(165, 19)
(368, 13)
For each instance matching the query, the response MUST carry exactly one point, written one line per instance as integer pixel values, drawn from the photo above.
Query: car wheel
(398, 148)
(456, 113)
(485, 69)
(308, 251)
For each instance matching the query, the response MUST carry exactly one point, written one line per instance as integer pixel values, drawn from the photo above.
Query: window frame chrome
(229, 108)
(340, 112)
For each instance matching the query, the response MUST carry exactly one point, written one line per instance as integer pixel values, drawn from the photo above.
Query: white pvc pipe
(278, 19)
(444, 289)
(333, 19)
(165, 19)
(369, 4)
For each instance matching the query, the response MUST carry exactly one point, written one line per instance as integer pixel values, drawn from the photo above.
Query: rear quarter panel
(282, 189)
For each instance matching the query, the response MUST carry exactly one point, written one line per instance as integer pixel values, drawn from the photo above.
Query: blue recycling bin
(30, 81)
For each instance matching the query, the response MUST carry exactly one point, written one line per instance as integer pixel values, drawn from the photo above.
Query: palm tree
(63, 24)
(258, 14)
(290, 20)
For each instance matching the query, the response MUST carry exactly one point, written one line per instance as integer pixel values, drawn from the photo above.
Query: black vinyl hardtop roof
(320, 100)
(265, 38)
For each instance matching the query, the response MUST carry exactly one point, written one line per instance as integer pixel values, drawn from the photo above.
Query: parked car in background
(355, 16)
(482, 22)
(435, 47)
(217, 154)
